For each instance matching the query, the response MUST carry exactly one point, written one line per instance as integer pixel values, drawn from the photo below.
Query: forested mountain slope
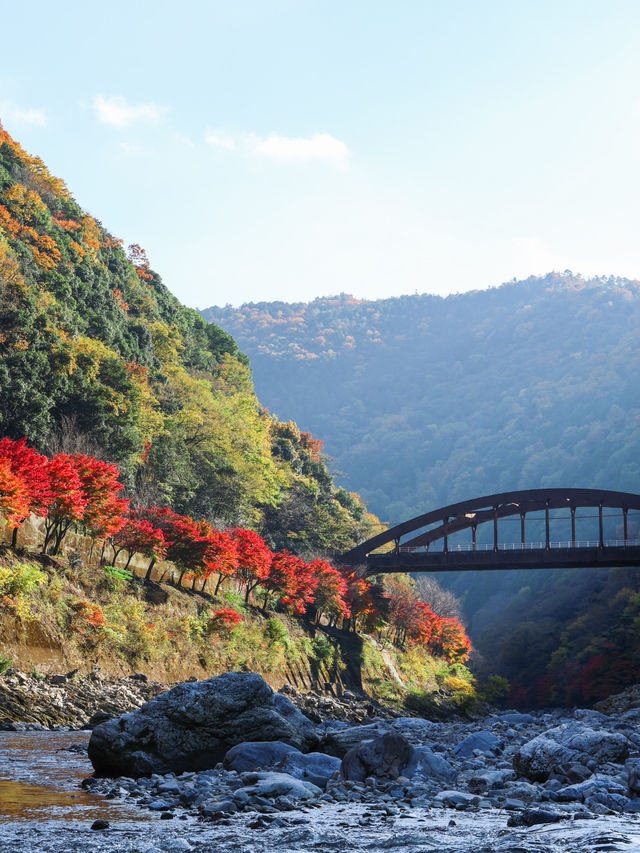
(423, 401)
(97, 356)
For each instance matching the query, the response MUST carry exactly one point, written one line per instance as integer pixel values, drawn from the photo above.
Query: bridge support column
(474, 527)
(495, 528)
(546, 526)
(625, 513)
(573, 527)
(522, 530)
(445, 538)
(600, 526)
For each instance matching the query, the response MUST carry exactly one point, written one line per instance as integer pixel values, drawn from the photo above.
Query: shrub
(223, 620)
(495, 690)
(277, 632)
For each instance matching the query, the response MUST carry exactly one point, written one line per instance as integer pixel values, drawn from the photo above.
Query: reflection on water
(40, 778)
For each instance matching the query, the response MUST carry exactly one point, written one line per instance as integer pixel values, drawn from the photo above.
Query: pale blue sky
(287, 150)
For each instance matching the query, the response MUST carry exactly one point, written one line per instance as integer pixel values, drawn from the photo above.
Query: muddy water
(43, 809)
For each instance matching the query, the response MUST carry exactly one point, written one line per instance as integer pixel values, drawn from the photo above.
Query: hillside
(97, 356)
(423, 401)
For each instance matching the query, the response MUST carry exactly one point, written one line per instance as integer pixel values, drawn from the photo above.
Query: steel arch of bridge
(413, 554)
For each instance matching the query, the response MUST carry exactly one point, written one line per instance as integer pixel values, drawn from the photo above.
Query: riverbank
(58, 815)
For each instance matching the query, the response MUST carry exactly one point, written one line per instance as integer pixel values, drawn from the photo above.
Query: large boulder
(192, 727)
(338, 742)
(261, 755)
(557, 749)
(385, 756)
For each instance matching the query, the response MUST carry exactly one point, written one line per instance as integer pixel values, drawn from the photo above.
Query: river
(43, 810)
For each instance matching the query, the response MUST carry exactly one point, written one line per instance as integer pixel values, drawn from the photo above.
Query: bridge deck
(530, 558)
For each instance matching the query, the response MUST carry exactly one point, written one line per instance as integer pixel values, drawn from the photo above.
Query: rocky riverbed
(557, 781)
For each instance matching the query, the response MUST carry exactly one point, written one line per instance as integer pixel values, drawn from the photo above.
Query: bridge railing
(535, 546)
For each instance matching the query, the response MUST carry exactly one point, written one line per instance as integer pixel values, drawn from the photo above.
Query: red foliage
(224, 619)
(30, 468)
(312, 445)
(254, 559)
(14, 498)
(331, 590)
(104, 512)
(292, 579)
(138, 536)
(138, 257)
(68, 500)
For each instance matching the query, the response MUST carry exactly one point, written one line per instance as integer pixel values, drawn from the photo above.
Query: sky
(290, 149)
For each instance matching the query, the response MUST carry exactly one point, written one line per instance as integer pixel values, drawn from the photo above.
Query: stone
(386, 756)
(314, 767)
(483, 741)
(456, 798)
(193, 726)
(257, 755)
(531, 817)
(427, 764)
(632, 770)
(339, 741)
(550, 751)
(100, 824)
(271, 785)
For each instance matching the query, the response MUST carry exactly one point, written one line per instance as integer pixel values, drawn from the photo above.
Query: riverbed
(43, 809)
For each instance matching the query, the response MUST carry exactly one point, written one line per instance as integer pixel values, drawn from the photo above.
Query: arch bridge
(430, 542)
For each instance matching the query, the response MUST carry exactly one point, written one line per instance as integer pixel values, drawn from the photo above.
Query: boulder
(192, 727)
(429, 765)
(339, 741)
(483, 741)
(260, 755)
(386, 756)
(566, 744)
(271, 785)
(314, 767)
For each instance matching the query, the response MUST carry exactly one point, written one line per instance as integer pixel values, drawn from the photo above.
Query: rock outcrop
(194, 725)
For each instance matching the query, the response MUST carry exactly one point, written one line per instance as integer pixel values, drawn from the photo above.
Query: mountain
(423, 401)
(97, 356)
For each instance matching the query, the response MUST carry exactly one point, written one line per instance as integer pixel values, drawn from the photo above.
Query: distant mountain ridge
(424, 400)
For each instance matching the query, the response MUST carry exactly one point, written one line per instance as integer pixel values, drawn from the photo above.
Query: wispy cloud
(300, 149)
(20, 115)
(220, 139)
(116, 112)
(320, 146)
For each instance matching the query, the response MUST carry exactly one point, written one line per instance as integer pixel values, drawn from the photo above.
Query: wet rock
(194, 725)
(531, 817)
(454, 799)
(565, 744)
(385, 756)
(100, 824)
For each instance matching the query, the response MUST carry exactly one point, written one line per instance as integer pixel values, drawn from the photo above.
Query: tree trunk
(147, 577)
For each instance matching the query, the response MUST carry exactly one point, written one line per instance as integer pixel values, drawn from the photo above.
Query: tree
(68, 500)
(254, 559)
(14, 497)
(30, 468)
(330, 592)
(104, 512)
(139, 536)
(292, 579)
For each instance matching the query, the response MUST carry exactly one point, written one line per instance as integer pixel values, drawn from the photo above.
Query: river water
(43, 809)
